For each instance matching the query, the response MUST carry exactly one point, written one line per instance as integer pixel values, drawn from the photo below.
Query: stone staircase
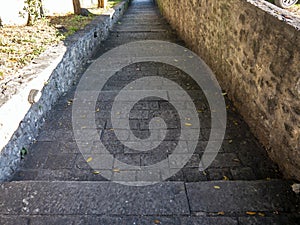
(55, 184)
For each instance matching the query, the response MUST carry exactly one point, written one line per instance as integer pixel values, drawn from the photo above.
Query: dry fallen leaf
(251, 213)
(221, 213)
(224, 93)
(230, 141)
(156, 221)
(70, 101)
(116, 170)
(98, 110)
(225, 178)
(96, 172)
(188, 124)
(261, 214)
(89, 159)
(216, 187)
(296, 188)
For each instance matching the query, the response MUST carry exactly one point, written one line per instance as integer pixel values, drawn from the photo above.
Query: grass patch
(69, 24)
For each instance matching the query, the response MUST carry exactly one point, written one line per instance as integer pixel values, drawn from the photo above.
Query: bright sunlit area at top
(28, 27)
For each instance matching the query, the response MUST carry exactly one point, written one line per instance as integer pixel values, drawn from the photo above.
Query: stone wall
(253, 47)
(55, 72)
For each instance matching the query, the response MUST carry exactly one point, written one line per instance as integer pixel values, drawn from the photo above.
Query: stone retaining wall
(56, 70)
(253, 47)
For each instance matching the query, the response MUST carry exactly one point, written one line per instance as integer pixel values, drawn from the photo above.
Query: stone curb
(55, 71)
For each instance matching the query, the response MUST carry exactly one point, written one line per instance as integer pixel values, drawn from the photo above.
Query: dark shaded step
(140, 26)
(140, 29)
(129, 37)
(135, 12)
(143, 22)
(242, 196)
(149, 10)
(92, 198)
(121, 220)
(168, 198)
(141, 16)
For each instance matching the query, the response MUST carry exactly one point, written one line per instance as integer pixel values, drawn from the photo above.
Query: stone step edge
(166, 198)
(120, 220)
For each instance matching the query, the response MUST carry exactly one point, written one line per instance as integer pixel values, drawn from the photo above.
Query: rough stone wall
(64, 63)
(256, 58)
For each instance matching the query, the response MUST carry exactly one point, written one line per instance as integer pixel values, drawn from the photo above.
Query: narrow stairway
(56, 185)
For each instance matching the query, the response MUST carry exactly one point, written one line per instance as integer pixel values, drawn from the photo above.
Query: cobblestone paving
(56, 157)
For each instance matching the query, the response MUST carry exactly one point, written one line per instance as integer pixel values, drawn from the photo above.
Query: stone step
(140, 25)
(232, 198)
(144, 220)
(141, 16)
(143, 22)
(242, 196)
(142, 10)
(140, 28)
(145, 13)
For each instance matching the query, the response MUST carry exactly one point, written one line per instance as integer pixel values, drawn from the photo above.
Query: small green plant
(38, 50)
(23, 152)
(73, 29)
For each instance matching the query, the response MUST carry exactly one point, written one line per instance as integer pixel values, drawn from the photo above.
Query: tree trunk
(77, 7)
(102, 3)
(35, 11)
